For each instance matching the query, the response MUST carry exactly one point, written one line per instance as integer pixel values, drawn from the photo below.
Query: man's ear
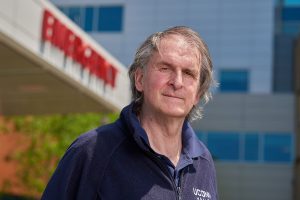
(138, 77)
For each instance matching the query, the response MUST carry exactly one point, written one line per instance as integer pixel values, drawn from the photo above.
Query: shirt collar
(191, 145)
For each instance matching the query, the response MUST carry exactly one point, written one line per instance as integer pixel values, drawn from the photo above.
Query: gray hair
(151, 45)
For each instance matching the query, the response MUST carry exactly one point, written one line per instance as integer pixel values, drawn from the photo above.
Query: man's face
(170, 81)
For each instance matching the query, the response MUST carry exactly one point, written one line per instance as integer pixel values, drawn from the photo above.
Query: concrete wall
(237, 181)
(246, 113)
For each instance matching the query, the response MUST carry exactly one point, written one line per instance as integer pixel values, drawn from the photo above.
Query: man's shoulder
(103, 137)
(205, 152)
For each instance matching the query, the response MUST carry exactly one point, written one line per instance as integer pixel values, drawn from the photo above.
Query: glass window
(291, 14)
(223, 146)
(89, 19)
(278, 147)
(64, 10)
(110, 18)
(234, 80)
(291, 2)
(251, 147)
(75, 15)
(291, 28)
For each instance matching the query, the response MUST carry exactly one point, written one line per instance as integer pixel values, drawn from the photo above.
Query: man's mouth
(173, 96)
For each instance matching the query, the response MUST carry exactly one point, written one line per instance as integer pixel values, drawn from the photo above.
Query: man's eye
(189, 73)
(164, 69)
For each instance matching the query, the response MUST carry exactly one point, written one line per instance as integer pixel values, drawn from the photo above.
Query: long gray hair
(151, 45)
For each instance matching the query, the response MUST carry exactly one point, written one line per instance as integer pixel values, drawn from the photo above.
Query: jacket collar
(192, 147)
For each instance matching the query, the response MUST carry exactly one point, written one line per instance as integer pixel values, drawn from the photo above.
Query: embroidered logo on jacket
(201, 194)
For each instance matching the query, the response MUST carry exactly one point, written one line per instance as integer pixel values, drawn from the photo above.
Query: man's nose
(177, 80)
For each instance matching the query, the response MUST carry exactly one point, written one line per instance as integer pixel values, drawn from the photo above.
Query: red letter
(69, 47)
(112, 75)
(93, 61)
(60, 31)
(101, 69)
(48, 26)
(78, 50)
(86, 53)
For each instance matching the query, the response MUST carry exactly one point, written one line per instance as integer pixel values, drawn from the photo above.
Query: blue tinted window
(251, 147)
(110, 18)
(88, 19)
(291, 14)
(74, 14)
(278, 147)
(292, 2)
(223, 146)
(64, 10)
(291, 28)
(234, 80)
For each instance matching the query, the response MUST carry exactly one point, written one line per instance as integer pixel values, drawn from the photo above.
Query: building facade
(287, 68)
(249, 125)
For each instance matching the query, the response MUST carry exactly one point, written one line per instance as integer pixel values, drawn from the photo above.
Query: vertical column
(297, 115)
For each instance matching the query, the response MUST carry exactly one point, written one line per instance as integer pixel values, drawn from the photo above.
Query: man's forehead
(180, 42)
(175, 38)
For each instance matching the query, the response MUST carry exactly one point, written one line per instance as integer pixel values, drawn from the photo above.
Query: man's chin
(173, 113)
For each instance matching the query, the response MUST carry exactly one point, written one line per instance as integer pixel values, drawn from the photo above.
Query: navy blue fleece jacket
(115, 162)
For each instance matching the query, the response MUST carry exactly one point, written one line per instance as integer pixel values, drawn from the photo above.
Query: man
(151, 151)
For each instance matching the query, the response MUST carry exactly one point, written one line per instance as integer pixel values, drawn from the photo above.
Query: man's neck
(164, 135)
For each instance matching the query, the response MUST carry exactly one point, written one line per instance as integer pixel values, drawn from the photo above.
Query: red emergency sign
(59, 35)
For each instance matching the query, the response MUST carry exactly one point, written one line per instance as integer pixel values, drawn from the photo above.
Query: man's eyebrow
(162, 62)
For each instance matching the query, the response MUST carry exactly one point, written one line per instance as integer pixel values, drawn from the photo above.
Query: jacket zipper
(176, 189)
(179, 192)
(179, 188)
